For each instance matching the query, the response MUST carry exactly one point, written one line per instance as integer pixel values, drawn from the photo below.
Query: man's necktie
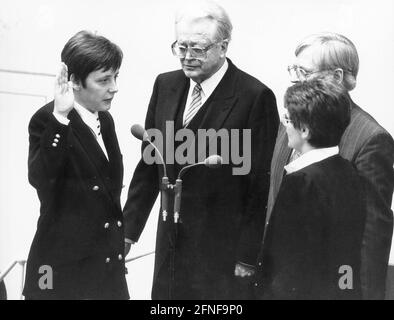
(195, 105)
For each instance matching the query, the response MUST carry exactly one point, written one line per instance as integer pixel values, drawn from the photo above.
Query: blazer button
(120, 257)
(256, 284)
(56, 140)
(54, 145)
(95, 188)
(57, 135)
(260, 264)
(107, 260)
(119, 224)
(106, 225)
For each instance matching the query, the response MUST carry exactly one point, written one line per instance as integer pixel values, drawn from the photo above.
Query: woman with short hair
(313, 242)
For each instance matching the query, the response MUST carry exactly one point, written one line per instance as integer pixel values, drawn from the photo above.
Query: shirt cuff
(60, 118)
(128, 241)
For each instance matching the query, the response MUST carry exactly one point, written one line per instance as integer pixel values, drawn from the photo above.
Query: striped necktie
(195, 105)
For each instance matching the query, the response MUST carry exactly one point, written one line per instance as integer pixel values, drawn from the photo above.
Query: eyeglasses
(195, 52)
(299, 73)
(302, 74)
(285, 120)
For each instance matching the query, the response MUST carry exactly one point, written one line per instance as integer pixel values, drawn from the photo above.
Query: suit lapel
(280, 158)
(175, 98)
(115, 168)
(220, 103)
(348, 145)
(112, 146)
(169, 108)
(89, 143)
(109, 139)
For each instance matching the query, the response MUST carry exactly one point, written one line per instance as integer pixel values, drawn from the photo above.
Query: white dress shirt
(207, 87)
(310, 157)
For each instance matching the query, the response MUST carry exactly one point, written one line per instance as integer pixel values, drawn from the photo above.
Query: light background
(33, 33)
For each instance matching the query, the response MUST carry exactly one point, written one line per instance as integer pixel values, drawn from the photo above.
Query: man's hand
(244, 271)
(64, 94)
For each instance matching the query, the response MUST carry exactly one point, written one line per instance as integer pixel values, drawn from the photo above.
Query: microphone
(141, 134)
(212, 162)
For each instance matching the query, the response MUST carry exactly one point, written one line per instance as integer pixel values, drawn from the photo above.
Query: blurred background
(33, 33)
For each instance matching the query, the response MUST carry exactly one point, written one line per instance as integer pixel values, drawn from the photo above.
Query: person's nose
(114, 86)
(188, 56)
(294, 78)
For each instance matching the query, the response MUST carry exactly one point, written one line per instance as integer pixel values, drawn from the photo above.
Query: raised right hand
(64, 94)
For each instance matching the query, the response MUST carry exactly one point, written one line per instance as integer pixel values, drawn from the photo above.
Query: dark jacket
(79, 232)
(370, 148)
(312, 247)
(222, 214)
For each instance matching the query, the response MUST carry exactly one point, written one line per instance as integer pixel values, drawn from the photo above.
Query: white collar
(212, 82)
(89, 118)
(311, 157)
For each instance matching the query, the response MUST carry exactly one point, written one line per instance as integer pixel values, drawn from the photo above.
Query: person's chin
(106, 105)
(193, 74)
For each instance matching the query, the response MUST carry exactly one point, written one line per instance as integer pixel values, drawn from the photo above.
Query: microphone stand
(165, 184)
(178, 192)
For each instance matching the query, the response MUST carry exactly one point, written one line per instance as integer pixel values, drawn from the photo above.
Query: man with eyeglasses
(211, 254)
(365, 143)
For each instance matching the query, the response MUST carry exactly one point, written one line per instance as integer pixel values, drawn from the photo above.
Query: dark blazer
(316, 227)
(222, 214)
(79, 232)
(370, 148)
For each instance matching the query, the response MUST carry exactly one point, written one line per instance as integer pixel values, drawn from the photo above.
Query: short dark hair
(86, 52)
(323, 107)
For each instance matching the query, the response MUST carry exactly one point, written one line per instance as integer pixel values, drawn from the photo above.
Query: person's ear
(305, 133)
(76, 83)
(338, 75)
(223, 48)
